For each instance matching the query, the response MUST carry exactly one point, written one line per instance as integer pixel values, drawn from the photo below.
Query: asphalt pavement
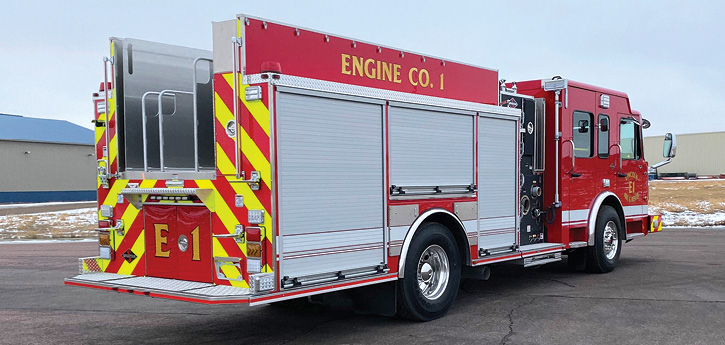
(669, 288)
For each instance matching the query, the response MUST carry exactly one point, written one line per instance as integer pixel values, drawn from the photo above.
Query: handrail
(573, 153)
(437, 189)
(160, 96)
(161, 122)
(573, 159)
(619, 173)
(106, 116)
(620, 159)
(557, 137)
(143, 129)
(235, 89)
(196, 129)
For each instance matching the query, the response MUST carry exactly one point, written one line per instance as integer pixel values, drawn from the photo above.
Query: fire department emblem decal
(631, 194)
(129, 255)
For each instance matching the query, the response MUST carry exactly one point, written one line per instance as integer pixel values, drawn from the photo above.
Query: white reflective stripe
(397, 233)
(635, 210)
(471, 227)
(578, 215)
(574, 216)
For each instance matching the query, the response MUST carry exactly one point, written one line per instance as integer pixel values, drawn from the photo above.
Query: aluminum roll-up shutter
(331, 192)
(430, 146)
(497, 194)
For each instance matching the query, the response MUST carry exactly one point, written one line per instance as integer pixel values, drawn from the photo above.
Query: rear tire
(432, 274)
(604, 255)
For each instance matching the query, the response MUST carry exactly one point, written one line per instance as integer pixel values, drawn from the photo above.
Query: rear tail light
(104, 245)
(105, 253)
(254, 250)
(104, 238)
(104, 86)
(254, 265)
(271, 67)
(253, 235)
(255, 216)
(104, 224)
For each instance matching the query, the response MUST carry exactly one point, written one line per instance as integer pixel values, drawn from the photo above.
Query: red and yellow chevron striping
(253, 133)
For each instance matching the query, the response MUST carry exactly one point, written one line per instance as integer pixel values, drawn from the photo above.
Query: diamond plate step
(171, 287)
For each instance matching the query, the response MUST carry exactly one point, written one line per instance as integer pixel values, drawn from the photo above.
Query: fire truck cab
(291, 163)
(599, 167)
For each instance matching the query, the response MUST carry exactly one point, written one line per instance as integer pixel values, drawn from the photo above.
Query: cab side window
(629, 139)
(603, 136)
(583, 136)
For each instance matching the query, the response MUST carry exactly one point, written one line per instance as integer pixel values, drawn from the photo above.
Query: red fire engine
(291, 163)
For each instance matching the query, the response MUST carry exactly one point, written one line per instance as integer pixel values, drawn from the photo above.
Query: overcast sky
(668, 56)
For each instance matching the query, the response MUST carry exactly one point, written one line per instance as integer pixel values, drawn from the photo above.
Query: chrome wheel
(433, 272)
(611, 240)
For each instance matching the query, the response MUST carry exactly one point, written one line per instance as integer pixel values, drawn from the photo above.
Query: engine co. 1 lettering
(385, 71)
(161, 232)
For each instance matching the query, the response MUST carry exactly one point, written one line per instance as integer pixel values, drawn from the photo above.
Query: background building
(697, 153)
(45, 160)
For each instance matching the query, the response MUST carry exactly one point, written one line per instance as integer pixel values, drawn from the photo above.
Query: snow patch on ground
(688, 203)
(79, 223)
(687, 218)
(51, 241)
(41, 204)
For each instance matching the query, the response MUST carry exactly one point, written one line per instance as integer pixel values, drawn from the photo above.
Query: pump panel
(530, 180)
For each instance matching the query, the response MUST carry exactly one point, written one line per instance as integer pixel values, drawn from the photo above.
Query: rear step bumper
(209, 293)
(161, 287)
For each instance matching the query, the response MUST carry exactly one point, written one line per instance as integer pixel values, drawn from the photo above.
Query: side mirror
(604, 124)
(670, 146)
(646, 124)
(583, 126)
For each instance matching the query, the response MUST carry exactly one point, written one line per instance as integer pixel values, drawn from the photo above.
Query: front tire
(432, 274)
(604, 255)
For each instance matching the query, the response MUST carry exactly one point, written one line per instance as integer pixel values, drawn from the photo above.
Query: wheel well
(454, 226)
(614, 203)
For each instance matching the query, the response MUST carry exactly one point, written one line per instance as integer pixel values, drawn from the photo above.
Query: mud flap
(577, 260)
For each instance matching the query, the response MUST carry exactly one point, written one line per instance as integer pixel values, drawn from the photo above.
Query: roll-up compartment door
(431, 147)
(497, 193)
(331, 183)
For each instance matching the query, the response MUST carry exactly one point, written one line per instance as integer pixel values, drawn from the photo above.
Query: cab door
(632, 174)
(586, 133)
